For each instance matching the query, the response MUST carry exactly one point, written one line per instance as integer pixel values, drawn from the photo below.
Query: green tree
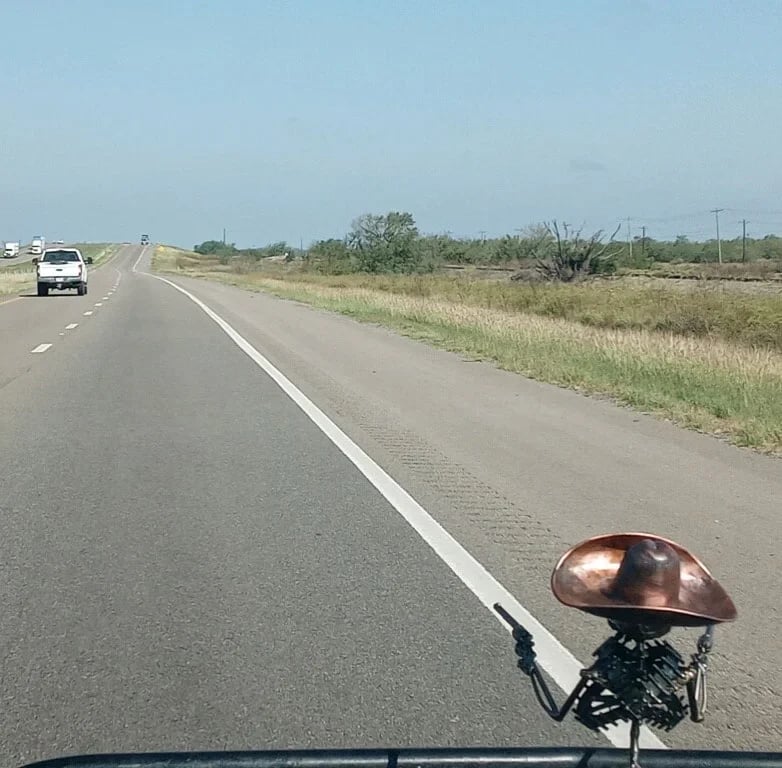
(385, 243)
(215, 248)
(770, 247)
(278, 249)
(331, 256)
(509, 249)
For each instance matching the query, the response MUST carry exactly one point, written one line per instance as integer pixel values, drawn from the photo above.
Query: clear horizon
(285, 121)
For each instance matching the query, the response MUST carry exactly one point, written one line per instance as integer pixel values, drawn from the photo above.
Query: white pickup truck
(10, 250)
(61, 268)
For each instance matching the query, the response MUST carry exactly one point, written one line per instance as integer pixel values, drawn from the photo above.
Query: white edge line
(143, 251)
(553, 657)
(40, 348)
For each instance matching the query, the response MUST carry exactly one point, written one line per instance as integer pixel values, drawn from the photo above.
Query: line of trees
(391, 242)
(227, 251)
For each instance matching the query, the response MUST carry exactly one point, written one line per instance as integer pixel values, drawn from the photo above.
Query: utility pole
(743, 239)
(717, 212)
(483, 235)
(643, 242)
(223, 235)
(629, 238)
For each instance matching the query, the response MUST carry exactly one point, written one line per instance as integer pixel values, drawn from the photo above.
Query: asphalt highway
(196, 556)
(188, 562)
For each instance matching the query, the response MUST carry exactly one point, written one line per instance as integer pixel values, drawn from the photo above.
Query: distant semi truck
(10, 250)
(37, 246)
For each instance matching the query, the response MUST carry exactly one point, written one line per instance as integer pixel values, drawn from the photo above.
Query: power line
(756, 213)
(677, 217)
(698, 215)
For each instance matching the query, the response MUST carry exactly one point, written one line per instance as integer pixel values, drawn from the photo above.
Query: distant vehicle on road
(61, 268)
(145, 239)
(10, 250)
(37, 246)
(58, 242)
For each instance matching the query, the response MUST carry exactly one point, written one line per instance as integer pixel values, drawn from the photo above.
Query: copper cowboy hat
(637, 577)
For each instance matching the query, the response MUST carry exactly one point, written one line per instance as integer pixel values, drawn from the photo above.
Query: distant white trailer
(10, 250)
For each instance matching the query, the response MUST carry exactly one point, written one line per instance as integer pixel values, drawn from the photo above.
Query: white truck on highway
(37, 245)
(61, 268)
(10, 250)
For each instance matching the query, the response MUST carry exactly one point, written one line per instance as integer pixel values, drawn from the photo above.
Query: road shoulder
(517, 470)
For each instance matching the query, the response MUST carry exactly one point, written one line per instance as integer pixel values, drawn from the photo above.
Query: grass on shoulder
(100, 252)
(168, 258)
(706, 311)
(703, 383)
(16, 281)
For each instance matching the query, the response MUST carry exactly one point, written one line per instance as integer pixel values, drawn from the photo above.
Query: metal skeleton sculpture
(644, 586)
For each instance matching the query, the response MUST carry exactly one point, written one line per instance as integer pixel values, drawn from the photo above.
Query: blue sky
(286, 120)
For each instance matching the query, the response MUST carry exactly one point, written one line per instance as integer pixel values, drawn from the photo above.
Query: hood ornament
(644, 585)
